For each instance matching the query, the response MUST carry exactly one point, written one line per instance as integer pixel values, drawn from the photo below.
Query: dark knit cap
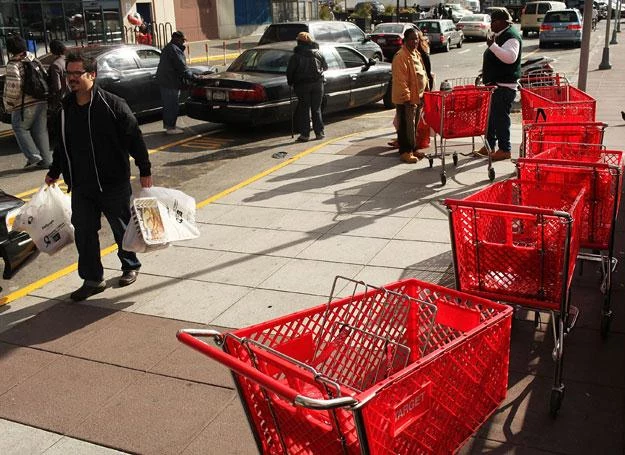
(16, 44)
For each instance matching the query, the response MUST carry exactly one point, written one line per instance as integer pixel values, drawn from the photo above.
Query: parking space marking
(22, 292)
(210, 143)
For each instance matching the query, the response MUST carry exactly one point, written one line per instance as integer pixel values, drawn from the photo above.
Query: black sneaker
(302, 139)
(29, 165)
(86, 291)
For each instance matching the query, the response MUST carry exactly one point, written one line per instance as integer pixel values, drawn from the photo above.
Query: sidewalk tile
(344, 248)
(19, 364)
(408, 253)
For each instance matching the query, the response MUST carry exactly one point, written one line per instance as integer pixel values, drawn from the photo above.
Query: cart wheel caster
(491, 174)
(443, 178)
(606, 321)
(556, 401)
(431, 160)
(455, 158)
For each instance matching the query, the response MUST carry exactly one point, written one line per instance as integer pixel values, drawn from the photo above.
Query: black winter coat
(306, 64)
(114, 134)
(172, 67)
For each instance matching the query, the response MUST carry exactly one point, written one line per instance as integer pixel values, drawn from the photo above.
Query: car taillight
(482, 25)
(459, 26)
(254, 95)
(198, 92)
(574, 27)
(442, 38)
(545, 28)
(395, 41)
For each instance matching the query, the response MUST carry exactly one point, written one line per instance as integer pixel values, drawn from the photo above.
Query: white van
(534, 13)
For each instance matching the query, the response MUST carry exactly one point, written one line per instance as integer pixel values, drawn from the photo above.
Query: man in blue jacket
(171, 74)
(98, 133)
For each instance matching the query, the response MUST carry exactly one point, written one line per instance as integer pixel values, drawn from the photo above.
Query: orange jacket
(409, 80)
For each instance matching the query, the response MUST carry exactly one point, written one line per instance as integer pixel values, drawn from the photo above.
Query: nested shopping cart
(557, 103)
(409, 368)
(538, 137)
(516, 241)
(600, 173)
(461, 112)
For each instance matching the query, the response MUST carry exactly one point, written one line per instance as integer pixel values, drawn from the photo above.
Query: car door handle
(354, 77)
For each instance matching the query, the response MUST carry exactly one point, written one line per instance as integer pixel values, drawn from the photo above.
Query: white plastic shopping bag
(47, 218)
(160, 215)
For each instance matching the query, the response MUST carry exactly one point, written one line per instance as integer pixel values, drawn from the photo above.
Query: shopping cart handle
(189, 337)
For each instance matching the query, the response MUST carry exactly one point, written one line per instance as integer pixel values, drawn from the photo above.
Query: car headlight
(10, 217)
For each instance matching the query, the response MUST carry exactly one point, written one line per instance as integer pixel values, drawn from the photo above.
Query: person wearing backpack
(304, 73)
(57, 85)
(25, 98)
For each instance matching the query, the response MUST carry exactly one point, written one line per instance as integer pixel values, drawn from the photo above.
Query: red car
(390, 36)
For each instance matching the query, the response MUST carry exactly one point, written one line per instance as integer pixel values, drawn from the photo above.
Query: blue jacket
(172, 68)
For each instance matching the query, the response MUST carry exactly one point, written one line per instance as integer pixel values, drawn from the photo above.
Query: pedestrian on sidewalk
(57, 88)
(304, 73)
(99, 133)
(409, 83)
(501, 69)
(171, 75)
(28, 113)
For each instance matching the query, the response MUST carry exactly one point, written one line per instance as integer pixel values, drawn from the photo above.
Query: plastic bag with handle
(47, 218)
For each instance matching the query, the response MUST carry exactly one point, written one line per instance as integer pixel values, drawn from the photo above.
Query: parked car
(127, 70)
(442, 33)
(377, 8)
(475, 26)
(458, 11)
(561, 27)
(339, 32)
(15, 247)
(390, 36)
(254, 91)
(534, 14)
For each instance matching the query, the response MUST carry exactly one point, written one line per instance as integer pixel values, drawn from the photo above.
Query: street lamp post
(617, 13)
(605, 58)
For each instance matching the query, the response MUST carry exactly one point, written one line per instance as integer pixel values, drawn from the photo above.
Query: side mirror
(371, 62)
(366, 39)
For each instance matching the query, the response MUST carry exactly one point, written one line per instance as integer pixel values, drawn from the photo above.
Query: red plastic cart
(516, 241)
(458, 113)
(557, 103)
(408, 368)
(600, 173)
(537, 137)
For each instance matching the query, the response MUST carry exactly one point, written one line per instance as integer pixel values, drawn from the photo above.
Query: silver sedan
(475, 26)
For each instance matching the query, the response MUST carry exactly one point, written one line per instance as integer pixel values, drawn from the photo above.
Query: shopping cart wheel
(491, 174)
(606, 321)
(455, 158)
(443, 178)
(557, 395)
(431, 160)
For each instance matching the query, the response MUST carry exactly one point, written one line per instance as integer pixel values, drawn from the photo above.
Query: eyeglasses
(75, 73)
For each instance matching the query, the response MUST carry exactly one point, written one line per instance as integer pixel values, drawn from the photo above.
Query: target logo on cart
(410, 409)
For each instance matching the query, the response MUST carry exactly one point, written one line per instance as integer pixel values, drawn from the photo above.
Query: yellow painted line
(22, 292)
(200, 147)
(7, 133)
(215, 57)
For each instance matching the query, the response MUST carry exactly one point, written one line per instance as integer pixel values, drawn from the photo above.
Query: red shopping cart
(557, 103)
(516, 241)
(538, 137)
(600, 173)
(408, 368)
(457, 113)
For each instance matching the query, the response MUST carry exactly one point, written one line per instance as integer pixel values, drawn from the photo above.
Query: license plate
(559, 28)
(381, 40)
(216, 95)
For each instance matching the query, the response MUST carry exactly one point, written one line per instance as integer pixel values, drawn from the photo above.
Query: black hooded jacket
(306, 64)
(114, 135)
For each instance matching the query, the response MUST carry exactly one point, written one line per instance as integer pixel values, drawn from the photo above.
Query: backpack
(35, 79)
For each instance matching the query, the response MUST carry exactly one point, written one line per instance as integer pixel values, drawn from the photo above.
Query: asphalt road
(211, 158)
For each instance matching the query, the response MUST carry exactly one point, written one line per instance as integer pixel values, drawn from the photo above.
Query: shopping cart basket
(410, 368)
(557, 103)
(539, 136)
(516, 241)
(600, 172)
(457, 113)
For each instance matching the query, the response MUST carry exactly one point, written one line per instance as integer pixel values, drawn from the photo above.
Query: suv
(340, 32)
(534, 13)
(442, 33)
(562, 27)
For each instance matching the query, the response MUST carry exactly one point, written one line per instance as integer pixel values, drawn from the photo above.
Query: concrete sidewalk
(108, 375)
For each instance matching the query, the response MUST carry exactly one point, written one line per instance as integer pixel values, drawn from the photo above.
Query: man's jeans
(32, 132)
(170, 106)
(87, 209)
(499, 119)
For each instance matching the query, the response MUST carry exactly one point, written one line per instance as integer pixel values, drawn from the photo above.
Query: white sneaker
(174, 131)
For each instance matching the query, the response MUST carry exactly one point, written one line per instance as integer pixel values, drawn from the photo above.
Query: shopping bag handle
(190, 338)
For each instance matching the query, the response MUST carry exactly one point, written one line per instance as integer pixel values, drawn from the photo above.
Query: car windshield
(262, 61)
(429, 27)
(389, 28)
(561, 16)
(475, 18)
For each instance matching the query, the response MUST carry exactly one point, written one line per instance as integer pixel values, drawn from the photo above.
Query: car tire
(446, 47)
(388, 97)
(542, 45)
(460, 43)
(526, 33)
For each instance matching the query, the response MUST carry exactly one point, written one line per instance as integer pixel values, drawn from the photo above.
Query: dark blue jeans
(88, 205)
(309, 96)
(170, 106)
(499, 119)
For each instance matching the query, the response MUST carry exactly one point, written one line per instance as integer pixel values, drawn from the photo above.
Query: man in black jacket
(305, 73)
(170, 75)
(97, 133)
